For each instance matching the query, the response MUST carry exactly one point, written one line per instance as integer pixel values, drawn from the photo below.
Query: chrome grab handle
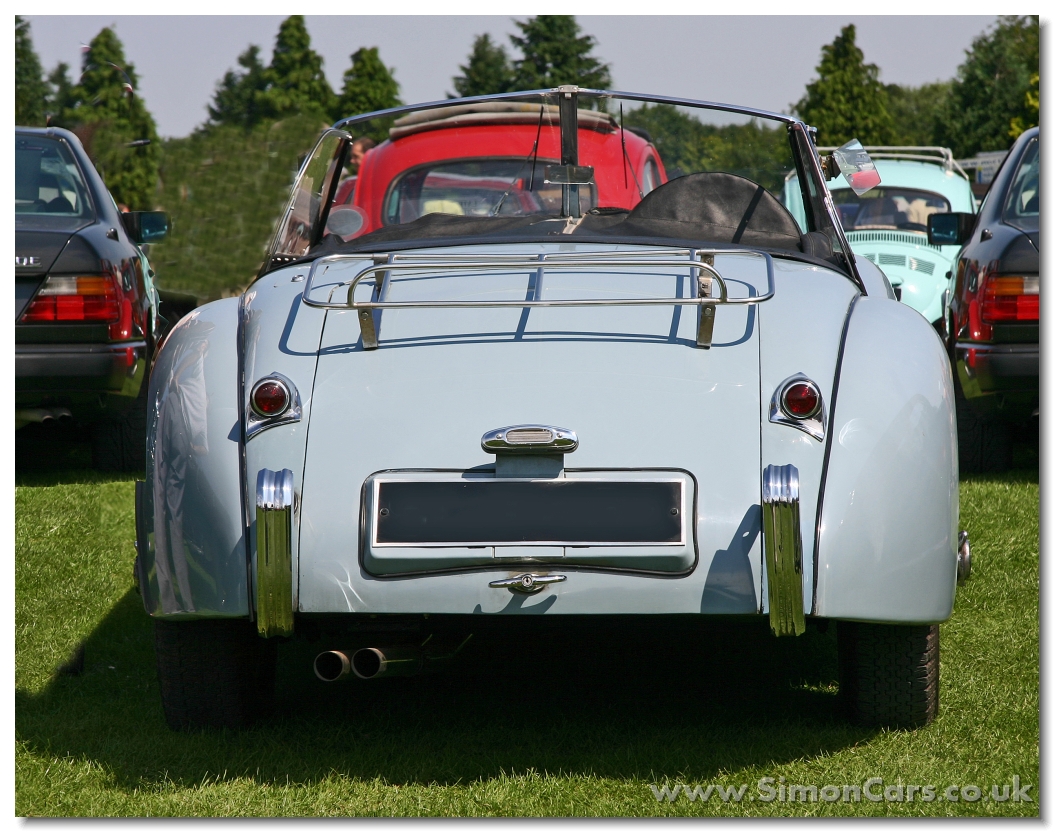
(528, 583)
(783, 549)
(274, 552)
(699, 261)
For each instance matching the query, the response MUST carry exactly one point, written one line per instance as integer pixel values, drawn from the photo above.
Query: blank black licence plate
(562, 511)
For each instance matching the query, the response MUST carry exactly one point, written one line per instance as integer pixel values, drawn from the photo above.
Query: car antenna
(625, 154)
(534, 150)
(622, 134)
(532, 157)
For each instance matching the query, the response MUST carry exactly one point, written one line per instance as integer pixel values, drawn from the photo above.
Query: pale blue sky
(761, 61)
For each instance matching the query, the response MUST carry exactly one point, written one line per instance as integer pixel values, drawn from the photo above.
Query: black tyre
(119, 444)
(213, 674)
(984, 445)
(889, 675)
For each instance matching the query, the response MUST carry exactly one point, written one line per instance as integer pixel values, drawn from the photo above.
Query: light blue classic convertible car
(551, 355)
(887, 224)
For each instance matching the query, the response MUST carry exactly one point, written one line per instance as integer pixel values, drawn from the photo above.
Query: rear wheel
(889, 674)
(214, 673)
(984, 445)
(119, 444)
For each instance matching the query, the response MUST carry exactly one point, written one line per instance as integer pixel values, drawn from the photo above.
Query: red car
(514, 168)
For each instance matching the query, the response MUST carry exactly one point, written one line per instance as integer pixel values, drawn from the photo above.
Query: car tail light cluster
(270, 397)
(89, 298)
(1010, 298)
(800, 400)
(95, 298)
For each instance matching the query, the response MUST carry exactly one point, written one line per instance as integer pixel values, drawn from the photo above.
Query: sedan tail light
(1010, 298)
(87, 298)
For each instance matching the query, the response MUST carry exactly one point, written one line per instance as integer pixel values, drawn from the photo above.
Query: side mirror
(856, 166)
(146, 226)
(949, 229)
(345, 221)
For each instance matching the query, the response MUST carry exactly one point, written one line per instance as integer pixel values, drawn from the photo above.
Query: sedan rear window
(906, 209)
(47, 179)
(1023, 199)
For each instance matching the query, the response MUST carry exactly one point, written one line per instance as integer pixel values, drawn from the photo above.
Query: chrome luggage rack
(700, 261)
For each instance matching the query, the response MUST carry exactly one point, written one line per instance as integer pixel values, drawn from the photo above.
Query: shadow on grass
(684, 700)
(676, 699)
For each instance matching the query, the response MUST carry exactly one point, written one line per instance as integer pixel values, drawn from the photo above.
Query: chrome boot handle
(528, 582)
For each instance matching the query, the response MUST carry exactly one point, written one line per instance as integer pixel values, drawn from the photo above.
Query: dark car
(992, 314)
(86, 320)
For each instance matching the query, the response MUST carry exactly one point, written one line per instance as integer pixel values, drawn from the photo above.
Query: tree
(1019, 124)
(107, 113)
(992, 88)
(846, 101)
(237, 99)
(294, 80)
(916, 111)
(368, 85)
(62, 93)
(554, 53)
(487, 72)
(686, 145)
(31, 91)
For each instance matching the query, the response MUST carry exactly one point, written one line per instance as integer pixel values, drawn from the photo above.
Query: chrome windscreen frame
(699, 261)
(810, 157)
(348, 122)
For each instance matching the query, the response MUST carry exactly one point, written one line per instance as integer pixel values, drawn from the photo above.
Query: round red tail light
(269, 397)
(801, 400)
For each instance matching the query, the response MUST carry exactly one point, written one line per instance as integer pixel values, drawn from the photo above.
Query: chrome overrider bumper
(274, 552)
(783, 550)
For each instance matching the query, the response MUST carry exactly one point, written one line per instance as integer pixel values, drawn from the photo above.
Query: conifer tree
(368, 85)
(487, 72)
(237, 99)
(108, 115)
(847, 100)
(294, 80)
(554, 53)
(62, 94)
(31, 91)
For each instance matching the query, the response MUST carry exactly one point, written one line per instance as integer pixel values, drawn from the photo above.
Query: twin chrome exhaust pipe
(368, 663)
(375, 662)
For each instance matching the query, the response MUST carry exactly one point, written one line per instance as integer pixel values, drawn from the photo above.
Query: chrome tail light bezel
(815, 424)
(293, 412)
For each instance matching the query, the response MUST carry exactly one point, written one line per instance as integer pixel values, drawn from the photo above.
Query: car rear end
(997, 351)
(83, 312)
(393, 440)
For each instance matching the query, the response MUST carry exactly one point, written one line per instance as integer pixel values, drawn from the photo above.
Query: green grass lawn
(572, 725)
